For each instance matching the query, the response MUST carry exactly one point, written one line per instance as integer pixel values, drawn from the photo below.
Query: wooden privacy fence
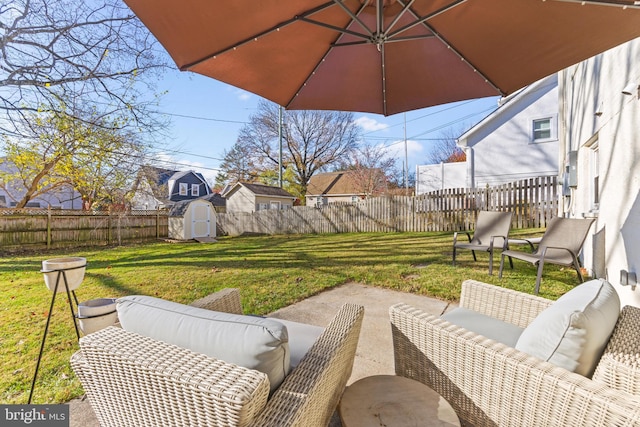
(46, 229)
(533, 202)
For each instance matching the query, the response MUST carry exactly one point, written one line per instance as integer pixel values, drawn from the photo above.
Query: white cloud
(243, 95)
(369, 125)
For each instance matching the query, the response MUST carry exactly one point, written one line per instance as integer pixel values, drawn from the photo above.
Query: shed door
(200, 220)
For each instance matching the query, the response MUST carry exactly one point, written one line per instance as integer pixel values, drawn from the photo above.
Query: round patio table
(393, 401)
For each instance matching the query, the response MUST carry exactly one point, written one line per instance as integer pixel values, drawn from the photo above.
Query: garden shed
(192, 219)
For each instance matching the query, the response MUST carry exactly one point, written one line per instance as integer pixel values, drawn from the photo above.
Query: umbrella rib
(619, 3)
(341, 32)
(379, 17)
(384, 80)
(255, 37)
(337, 29)
(399, 15)
(351, 43)
(354, 16)
(422, 21)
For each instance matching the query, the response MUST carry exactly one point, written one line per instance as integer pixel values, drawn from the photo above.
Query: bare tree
(445, 149)
(312, 140)
(371, 169)
(236, 165)
(92, 54)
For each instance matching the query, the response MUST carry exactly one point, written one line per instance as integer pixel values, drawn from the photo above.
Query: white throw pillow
(250, 341)
(574, 330)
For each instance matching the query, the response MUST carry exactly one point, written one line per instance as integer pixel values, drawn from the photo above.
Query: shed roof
(216, 199)
(263, 190)
(180, 208)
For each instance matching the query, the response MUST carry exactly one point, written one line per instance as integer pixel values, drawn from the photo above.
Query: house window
(544, 130)
(275, 205)
(594, 173)
(184, 189)
(195, 190)
(354, 199)
(263, 206)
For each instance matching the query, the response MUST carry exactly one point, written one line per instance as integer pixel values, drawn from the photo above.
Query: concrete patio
(375, 351)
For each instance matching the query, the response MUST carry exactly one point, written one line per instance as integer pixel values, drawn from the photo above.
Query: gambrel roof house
(343, 186)
(251, 197)
(158, 188)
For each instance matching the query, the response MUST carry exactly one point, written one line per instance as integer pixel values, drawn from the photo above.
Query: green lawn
(271, 272)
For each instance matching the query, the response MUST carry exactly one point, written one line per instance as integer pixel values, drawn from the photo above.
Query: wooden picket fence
(34, 229)
(533, 203)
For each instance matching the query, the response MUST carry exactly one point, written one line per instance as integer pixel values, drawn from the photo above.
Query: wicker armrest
(619, 366)
(309, 395)
(226, 300)
(490, 384)
(132, 380)
(510, 306)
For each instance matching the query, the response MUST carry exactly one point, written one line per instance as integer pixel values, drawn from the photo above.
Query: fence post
(157, 224)
(109, 226)
(49, 227)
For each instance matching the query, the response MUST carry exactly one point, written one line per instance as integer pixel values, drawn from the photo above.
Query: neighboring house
(600, 153)
(158, 188)
(251, 197)
(518, 140)
(219, 203)
(344, 186)
(64, 197)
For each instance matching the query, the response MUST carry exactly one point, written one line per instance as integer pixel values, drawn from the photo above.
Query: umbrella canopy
(384, 56)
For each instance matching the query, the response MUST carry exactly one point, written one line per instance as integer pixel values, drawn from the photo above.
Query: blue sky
(206, 116)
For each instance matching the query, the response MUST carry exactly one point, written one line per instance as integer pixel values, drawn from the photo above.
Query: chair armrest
(309, 395)
(488, 383)
(226, 300)
(505, 241)
(517, 308)
(455, 237)
(619, 366)
(132, 380)
(542, 252)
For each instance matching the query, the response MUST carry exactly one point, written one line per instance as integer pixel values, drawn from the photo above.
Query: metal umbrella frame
(384, 56)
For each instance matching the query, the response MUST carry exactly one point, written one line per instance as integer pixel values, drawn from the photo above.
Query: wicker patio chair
(491, 384)
(560, 244)
(131, 380)
(491, 232)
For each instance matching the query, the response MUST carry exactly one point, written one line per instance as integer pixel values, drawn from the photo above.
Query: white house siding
(500, 149)
(439, 177)
(271, 201)
(144, 199)
(243, 200)
(596, 111)
(65, 197)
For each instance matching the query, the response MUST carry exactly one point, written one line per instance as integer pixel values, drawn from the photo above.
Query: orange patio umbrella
(384, 56)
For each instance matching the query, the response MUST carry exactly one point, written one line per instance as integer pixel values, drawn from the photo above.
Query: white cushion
(487, 326)
(574, 330)
(301, 338)
(253, 342)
